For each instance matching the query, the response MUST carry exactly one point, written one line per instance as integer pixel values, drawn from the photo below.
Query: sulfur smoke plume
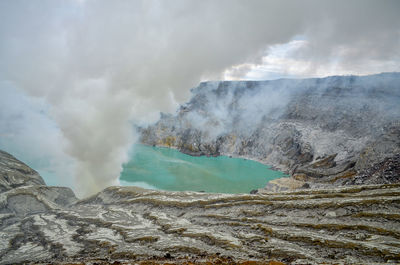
(103, 66)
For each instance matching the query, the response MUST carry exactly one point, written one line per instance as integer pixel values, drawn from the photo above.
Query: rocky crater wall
(331, 130)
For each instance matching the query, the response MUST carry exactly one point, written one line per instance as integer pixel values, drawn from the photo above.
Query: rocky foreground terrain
(128, 225)
(340, 130)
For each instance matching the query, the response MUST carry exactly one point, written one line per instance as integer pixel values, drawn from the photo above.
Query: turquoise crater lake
(168, 169)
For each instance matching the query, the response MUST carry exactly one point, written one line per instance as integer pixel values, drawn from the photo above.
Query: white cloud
(282, 61)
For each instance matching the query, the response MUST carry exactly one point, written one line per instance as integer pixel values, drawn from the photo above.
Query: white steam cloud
(105, 65)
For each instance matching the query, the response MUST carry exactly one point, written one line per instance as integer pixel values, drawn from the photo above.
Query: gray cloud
(103, 65)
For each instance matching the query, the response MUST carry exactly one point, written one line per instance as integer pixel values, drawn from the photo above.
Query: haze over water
(168, 169)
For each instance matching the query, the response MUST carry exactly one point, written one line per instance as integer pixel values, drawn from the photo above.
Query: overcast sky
(75, 75)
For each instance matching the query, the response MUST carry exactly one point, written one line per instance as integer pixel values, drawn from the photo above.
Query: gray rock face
(14, 173)
(358, 224)
(23, 194)
(319, 130)
(124, 224)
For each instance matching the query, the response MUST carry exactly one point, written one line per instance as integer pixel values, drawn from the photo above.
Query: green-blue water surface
(168, 169)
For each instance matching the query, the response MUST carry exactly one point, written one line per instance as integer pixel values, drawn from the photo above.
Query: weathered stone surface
(357, 224)
(127, 223)
(14, 173)
(387, 171)
(283, 184)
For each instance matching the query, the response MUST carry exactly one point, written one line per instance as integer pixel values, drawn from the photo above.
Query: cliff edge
(339, 130)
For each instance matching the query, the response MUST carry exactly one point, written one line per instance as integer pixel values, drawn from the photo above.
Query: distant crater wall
(324, 130)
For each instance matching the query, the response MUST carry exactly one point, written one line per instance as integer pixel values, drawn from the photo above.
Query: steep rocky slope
(14, 173)
(40, 224)
(321, 130)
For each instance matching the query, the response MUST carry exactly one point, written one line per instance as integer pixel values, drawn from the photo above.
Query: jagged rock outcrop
(14, 173)
(320, 130)
(40, 224)
(23, 195)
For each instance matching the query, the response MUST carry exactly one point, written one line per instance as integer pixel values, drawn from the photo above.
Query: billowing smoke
(103, 66)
